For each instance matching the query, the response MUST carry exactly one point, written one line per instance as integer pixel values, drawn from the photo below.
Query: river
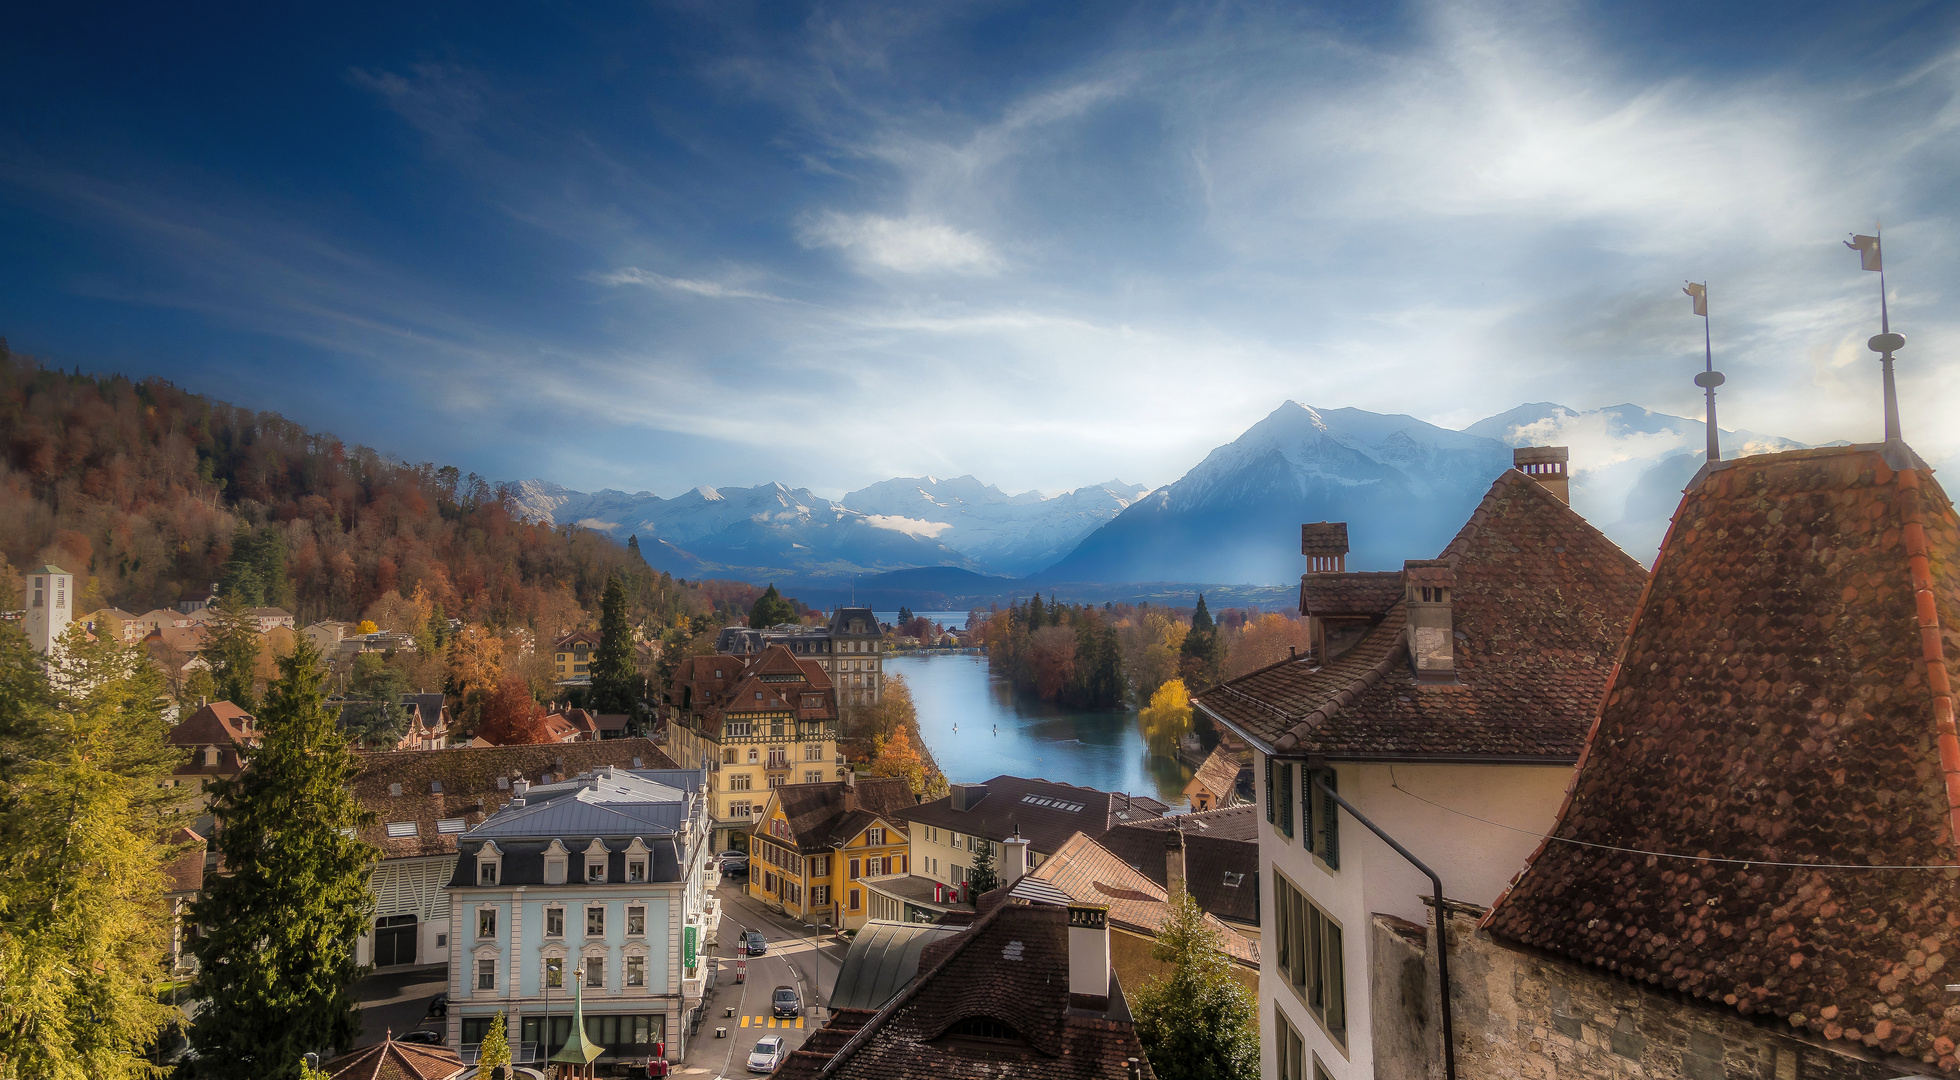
(978, 728)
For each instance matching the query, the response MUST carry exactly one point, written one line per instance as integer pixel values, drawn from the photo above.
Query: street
(792, 960)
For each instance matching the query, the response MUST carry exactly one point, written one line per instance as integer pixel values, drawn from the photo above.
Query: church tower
(50, 595)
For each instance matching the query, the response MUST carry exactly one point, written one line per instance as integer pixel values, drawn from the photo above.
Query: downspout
(1442, 926)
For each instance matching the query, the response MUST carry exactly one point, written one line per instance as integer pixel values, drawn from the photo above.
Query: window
(450, 825)
(819, 866)
(595, 922)
(554, 922)
(874, 837)
(636, 869)
(486, 974)
(1290, 1049)
(776, 781)
(595, 868)
(855, 895)
(399, 830)
(1310, 957)
(813, 776)
(554, 972)
(755, 756)
(854, 870)
(489, 861)
(636, 971)
(741, 809)
(779, 757)
(742, 782)
(740, 730)
(435, 787)
(820, 894)
(486, 922)
(1320, 817)
(728, 756)
(595, 971)
(636, 921)
(813, 752)
(555, 859)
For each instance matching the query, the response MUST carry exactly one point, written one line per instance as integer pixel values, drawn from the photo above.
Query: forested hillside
(145, 489)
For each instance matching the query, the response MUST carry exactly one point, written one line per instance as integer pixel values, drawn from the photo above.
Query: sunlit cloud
(907, 245)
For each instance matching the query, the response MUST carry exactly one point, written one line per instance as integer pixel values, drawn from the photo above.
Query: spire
(577, 1051)
(1871, 256)
(1709, 378)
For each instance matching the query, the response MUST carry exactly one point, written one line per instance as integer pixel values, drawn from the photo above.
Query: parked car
(767, 1055)
(786, 1001)
(754, 944)
(439, 1005)
(425, 1037)
(734, 862)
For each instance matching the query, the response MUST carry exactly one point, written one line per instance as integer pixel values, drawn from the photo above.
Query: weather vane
(1872, 257)
(1709, 379)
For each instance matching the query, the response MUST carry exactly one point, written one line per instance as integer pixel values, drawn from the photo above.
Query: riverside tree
(83, 953)
(276, 965)
(1196, 1022)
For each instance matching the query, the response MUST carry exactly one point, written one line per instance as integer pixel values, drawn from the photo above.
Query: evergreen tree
(231, 647)
(1035, 620)
(633, 550)
(615, 684)
(982, 877)
(374, 715)
(83, 952)
(1202, 652)
(770, 608)
(1197, 1022)
(904, 614)
(256, 570)
(276, 964)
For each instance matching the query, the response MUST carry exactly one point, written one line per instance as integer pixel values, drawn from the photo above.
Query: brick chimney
(1429, 584)
(1013, 858)
(1088, 957)
(1548, 465)
(1325, 544)
(850, 790)
(1173, 861)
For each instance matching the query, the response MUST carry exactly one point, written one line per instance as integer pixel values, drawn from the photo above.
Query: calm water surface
(999, 732)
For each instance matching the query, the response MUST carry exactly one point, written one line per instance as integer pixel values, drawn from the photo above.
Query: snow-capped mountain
(1402, 485)
(1013, 534)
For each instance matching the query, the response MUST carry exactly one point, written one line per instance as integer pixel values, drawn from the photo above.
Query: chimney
(850, 791)
(1325, 544)
(1013, 858)
(1173, 861)
(968, 796)
(1548, 465)
(1432, 630)
(518, 787)
(1088, 957)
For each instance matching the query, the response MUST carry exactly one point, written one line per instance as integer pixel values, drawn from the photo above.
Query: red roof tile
(1783, 697)
(391, 1060)
(1541, 600)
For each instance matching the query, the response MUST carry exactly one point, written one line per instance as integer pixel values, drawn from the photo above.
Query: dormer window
(210, 755)
(636, 861)
(985, 1028)
(555, 860)
(489, 864)
(595, 862)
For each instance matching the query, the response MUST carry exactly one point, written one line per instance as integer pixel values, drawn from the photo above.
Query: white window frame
(486, 918)
(601, 909)
(638, 862)
(556, 858)
(489, 863)
(636, 911)
(597, 857)
(476, 985)
(558, 910)
(635, 960)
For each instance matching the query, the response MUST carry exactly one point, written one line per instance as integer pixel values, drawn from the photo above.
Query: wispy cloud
(633, 275)
(907, 245)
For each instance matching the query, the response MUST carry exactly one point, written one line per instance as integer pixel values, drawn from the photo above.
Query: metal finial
(1871, 252)
(1709, 378)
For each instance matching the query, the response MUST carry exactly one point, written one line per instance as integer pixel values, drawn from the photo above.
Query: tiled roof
(819, 822)
(1012, 968)
(589, 637)
(1368, 592)
(468, 776)
(1092, 874)
(1219, 775)
(1046, 813)
(782, 680)
(219, 724)
(1784, 697)
(1540, 602)
(391, 1060)
(1221, 873)
(185, 871)
(1239, 822)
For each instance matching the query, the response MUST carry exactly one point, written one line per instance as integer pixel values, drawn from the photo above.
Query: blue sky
(660, 245)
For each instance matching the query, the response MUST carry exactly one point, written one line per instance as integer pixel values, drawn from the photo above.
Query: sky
(654, 246)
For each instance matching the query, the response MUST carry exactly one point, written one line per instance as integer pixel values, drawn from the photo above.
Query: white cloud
(633, 275)
(908, 245)
(930, 530)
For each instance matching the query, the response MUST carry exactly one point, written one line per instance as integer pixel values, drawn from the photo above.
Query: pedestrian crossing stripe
(772, 1021)
(799, 1021)
(745, 1021)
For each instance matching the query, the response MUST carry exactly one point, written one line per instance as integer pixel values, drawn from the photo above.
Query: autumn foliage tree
(897, 756)
(511, 716)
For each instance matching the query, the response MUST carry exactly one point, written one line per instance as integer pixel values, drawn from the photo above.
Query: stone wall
(1520, 1016)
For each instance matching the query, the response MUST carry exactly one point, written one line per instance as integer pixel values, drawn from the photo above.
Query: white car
(767, 1055)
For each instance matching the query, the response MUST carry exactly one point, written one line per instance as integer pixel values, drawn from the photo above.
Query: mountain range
(1405, 487)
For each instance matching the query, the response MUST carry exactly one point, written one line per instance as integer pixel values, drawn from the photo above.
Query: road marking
(799, 1021)
(745, 1021)
(772, 1021)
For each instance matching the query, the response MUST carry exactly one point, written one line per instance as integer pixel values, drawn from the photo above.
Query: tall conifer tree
(615, 685)
(231, 647)
(276, 966)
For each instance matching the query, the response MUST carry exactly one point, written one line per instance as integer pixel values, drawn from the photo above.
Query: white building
(49, 594)
(607, 873)
(1447, 702)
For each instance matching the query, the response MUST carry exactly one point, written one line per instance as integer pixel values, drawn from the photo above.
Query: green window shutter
(1286, 801)
(1272, 793)
(1330, 823)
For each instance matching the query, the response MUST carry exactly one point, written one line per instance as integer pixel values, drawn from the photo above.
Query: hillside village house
(814, 844)
(606, 872)
(209, 740)
(850, 649)
(755, 723)
(1448, 703)
(571, 656)
(424, 801)
(1215, 784)
(49, 594)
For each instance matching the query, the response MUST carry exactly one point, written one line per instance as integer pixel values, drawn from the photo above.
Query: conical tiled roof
(391, 1060)
(1782, 698)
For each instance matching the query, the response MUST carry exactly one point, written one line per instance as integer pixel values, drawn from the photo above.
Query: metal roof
(883, 959)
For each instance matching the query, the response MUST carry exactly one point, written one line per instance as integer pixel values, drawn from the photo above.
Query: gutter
(1442, 921)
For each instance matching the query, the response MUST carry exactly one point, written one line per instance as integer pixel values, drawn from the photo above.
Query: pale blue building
(608, 873)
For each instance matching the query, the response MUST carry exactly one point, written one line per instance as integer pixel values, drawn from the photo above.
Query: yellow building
(757, 723)
(571, 655)
(814, 843)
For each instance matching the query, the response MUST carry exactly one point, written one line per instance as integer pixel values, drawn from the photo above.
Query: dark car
(785, 1001)
(754, 944)
(439, 1005)
(734, 863)
(424, 1037)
